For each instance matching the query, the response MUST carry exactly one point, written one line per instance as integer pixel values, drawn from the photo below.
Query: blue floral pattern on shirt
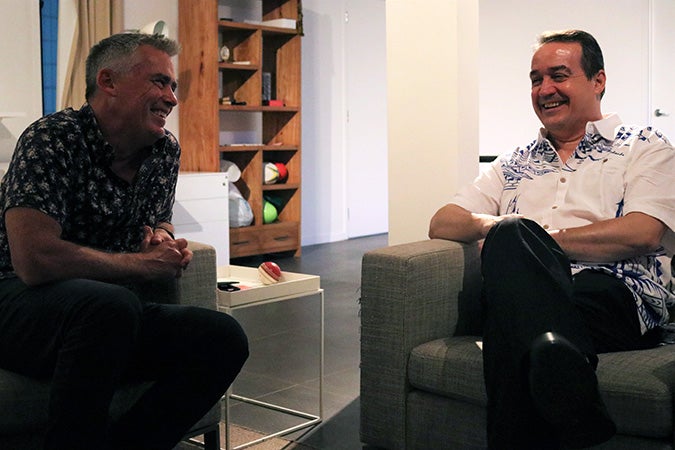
(643, 275)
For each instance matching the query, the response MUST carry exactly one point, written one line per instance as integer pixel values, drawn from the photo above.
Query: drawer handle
(241, 242)
(282, 238)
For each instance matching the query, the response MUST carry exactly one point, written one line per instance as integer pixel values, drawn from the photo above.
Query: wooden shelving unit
(245, 129)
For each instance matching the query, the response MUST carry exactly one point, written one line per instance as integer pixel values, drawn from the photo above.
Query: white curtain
(96, 19)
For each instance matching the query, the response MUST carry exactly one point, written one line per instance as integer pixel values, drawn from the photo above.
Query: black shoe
(564, 390)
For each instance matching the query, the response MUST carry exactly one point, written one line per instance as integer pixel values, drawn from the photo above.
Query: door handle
(661, 113)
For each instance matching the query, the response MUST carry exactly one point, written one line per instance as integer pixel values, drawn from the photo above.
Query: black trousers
(528, 290)
(90, 337)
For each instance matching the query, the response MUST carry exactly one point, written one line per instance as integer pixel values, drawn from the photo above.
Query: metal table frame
(311, 419)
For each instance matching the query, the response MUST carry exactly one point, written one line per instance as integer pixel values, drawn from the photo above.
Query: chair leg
(212, 439)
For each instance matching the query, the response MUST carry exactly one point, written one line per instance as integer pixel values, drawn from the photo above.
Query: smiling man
(86, 214)
(573, 260)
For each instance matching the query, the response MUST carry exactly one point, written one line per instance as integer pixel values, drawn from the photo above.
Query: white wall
(366, 131)
(20, 75)
(137, 14)
(324, 202)
(432, 108)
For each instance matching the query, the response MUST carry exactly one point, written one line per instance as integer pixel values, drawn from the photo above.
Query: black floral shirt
(61, 167)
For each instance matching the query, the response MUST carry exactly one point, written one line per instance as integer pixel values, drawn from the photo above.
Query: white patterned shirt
(615, 169)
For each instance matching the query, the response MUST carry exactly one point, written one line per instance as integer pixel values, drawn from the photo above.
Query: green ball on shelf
(270, 213)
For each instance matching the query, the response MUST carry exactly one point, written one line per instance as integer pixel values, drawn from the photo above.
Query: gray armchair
(23, 401)
(422, 372)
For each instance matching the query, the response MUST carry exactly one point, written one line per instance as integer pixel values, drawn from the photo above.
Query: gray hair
(116, 52)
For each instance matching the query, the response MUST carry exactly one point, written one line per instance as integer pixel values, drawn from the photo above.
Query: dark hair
(116, 52)
(591, 55)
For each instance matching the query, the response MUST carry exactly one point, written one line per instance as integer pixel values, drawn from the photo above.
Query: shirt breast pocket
(611, 185)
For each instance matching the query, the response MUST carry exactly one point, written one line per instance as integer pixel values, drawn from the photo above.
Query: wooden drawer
(280, 237)
(272, 238)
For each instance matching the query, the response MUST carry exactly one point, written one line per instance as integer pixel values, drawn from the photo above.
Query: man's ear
(105, 81)
(600, 79)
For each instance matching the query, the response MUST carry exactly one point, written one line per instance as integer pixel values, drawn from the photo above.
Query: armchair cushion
(638, 388)
(428, 369)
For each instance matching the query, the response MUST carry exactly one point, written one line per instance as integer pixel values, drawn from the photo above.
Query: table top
(252, 290)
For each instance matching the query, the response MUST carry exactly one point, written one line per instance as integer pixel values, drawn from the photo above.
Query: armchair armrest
(197, 286)
(410, 294)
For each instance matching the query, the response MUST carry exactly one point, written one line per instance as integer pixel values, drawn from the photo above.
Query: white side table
(291, 286)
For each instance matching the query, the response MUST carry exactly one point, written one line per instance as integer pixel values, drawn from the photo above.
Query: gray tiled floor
(284, 341)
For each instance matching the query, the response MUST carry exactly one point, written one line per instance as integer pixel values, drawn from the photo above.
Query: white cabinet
(200, 212)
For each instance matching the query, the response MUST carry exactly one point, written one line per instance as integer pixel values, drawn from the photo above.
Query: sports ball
(283, 172)
(271, 174)
(275, 200)
(270, 213)
(269, 272)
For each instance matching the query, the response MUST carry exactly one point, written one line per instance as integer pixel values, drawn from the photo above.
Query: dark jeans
(528, 290)
(90, 337)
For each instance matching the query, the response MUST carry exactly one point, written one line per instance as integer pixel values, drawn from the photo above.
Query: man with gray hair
(86, 214)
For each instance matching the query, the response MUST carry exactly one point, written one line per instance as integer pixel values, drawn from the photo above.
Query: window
(49, 18)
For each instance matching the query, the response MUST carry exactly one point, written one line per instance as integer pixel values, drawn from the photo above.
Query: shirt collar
(101, 149)
(605, 127)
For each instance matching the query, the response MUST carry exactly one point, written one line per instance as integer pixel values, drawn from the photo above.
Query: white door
(366, 129)
(663, 62)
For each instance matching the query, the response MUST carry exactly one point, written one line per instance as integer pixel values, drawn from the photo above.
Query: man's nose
(547, 86)
(170, 96)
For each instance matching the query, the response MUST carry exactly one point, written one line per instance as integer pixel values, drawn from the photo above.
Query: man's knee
(513, 226)
(515, 233)
(210, 338)
(235, 350)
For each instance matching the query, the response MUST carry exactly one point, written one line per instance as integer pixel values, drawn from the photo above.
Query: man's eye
(536, 81)
(160, 83)
(559, 77)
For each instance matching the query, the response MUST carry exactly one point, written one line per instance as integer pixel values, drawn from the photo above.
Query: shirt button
(563, 180)
(546, 227)
(554, 207)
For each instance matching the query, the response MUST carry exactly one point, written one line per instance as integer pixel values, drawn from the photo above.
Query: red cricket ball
(269, 272)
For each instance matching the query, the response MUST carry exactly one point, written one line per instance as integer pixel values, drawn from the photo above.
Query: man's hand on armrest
(452, 222)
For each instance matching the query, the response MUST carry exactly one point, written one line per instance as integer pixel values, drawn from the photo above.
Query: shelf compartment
(281, 127)
(240, 85)
(242, 41)
(281, 58)
(287, 202)
(291, 159)
(279, 9)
